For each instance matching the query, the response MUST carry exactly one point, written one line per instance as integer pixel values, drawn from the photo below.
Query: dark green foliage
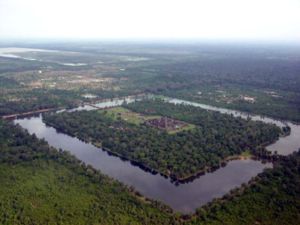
(272, 198)
(230, 68)
(286, 106)
(181, 71)
(179, 155)
(18, 65)
(8, 83)
(40, 185)
(38, 99)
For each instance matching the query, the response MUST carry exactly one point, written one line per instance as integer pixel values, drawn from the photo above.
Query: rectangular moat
(185, 197)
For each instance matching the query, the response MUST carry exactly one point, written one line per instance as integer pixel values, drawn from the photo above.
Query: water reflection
(184, 198)
(284, 146)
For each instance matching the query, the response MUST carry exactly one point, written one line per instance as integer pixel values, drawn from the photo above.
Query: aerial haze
(256, 20)
(150, 112)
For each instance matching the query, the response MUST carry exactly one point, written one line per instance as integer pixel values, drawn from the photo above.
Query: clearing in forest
(164, 123)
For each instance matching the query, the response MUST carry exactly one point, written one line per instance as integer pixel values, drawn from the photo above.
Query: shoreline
(228, 107)
(13, 116)
(174, 179)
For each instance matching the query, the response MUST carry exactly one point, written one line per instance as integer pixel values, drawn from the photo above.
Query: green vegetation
(269, 102)
(246, 154)
(40, 185)
(179, 155)
(271, 198)
(35, 100)
(187, 127)
(127, 115)
(269, 74)
(216, 75)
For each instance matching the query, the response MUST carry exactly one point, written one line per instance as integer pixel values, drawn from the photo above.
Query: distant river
(284, 146)
(14, 53)
(184, 197)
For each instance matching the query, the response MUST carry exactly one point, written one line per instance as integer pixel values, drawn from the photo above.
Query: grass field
(185, 128)
(127, 115)
(137, 118)
(246, 154)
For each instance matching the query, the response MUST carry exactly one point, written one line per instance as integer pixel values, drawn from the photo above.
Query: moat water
(185, 197)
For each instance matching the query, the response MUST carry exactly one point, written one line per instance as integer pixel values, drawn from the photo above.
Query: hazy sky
(200, 19)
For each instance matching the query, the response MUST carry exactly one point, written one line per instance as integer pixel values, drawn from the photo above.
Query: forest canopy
(180, 155)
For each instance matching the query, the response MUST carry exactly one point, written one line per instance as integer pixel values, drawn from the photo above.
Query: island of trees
(181, 155)
(40, 185)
